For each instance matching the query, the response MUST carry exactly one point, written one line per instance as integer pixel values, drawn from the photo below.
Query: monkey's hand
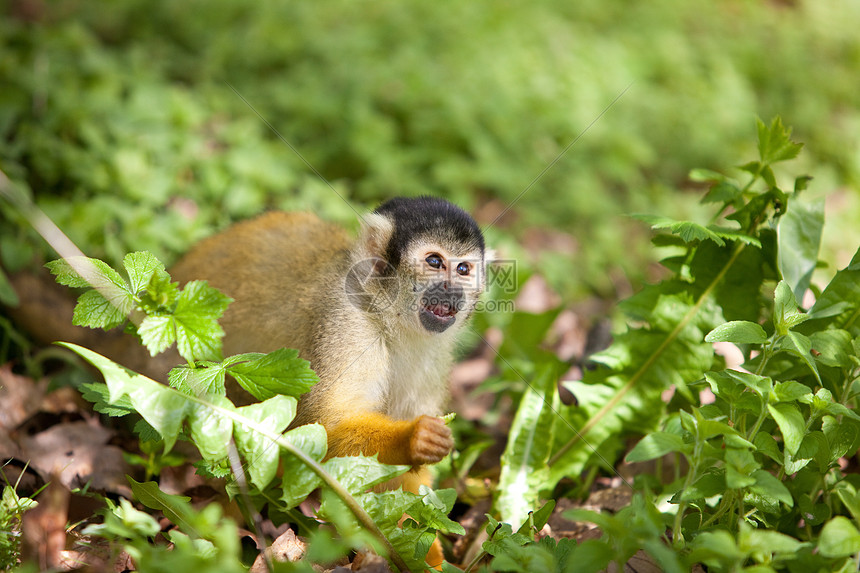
(430, 440)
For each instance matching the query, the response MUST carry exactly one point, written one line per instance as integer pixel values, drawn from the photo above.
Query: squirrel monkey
(377, 317)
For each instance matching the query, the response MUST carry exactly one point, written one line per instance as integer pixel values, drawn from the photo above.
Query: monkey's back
(272, 267)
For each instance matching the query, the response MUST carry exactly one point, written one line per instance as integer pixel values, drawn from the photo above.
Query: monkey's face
(446, 285)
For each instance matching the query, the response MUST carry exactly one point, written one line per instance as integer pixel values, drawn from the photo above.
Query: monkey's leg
(424, 440)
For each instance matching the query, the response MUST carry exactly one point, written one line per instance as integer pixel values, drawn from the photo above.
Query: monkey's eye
(463, 269)
(434, 261)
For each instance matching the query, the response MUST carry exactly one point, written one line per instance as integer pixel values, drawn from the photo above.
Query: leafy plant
(195, 407)
(11, 507)
(764, 483)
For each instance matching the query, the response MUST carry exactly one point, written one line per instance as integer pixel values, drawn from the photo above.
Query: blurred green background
(148, 125)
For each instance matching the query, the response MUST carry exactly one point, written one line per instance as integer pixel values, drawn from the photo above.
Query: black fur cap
(422, 216)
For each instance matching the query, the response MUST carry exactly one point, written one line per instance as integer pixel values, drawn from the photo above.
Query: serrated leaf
(95, 311)
(141, 266)
(205, 378)
(774, 143)
(99, 395)
(738, 332)
(157, 333)
(198, 334)
(687, 230)
(80, 272)
(524, 462)
(279, 372)
(840, 299)
(799, 239)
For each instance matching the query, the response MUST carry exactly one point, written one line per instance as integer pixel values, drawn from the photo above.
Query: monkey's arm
(424, 440)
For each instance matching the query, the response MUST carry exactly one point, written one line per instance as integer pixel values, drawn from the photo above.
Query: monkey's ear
(373, 238)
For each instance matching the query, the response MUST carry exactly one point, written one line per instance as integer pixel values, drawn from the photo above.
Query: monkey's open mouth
(441, 310)
(437, 316)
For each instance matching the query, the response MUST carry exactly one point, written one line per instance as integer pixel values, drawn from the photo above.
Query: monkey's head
(420, 262)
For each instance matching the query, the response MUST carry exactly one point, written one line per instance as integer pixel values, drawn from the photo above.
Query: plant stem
(361, 515)
(664, 346)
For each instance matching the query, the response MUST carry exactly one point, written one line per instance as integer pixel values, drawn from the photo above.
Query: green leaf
(267, 375)
(839, 538)
(198, 334)
(840, 300)
(768, 486)
(655, 445)
(80, 272)
(799, 238)
(800, 346)
(205, 378)
(774, 143)
(141, 267)
(833, 347)
(164, 409)
(785, 313)
(848, 496)
(99, 395)
(157, 333)
(687, 230)
(359, 473)
(791, 424)
(261, 454)
(176, 508)
(725, 379)
(210, 430)
(738, 332)
(524, 462)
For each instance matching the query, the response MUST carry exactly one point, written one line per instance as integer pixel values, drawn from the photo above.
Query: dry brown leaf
(20, 397)
(77, 452)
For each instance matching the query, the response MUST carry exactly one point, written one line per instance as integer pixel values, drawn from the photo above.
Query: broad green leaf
(687, 230)
(210, 430)
(310, 438)
(82, 272)
(524, 463)
(164, 409)
(141, 266)
(839, 538)
(799, 238)
(176, 508)
(657, 444)
(267, 375)
(833, 347)
(849, 497)
(840, 300)
(358, 473)
(761, 385)
(740, 464)
(790, 391)
(800, 346)
(709, 485)
(259, 452)
(767, 485)
(738, 332)
(791, 424)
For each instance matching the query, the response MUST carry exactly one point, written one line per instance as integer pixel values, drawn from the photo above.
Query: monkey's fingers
(431, 440)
